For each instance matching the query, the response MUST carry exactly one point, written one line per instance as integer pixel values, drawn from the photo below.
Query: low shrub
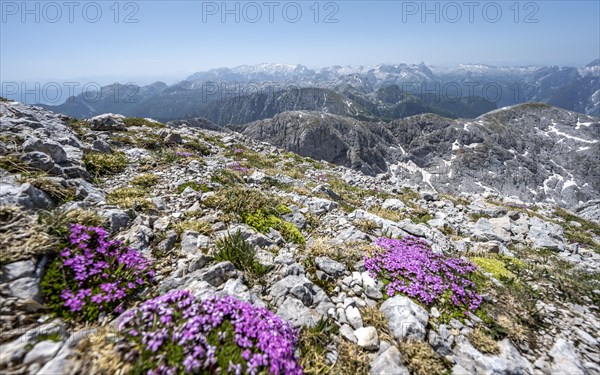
(313, 343)
(94, 274)
(475, 216)
(57, 223)
(239, 200)
(150, 141)
(176, 334)
(193, 185)
(494, 267)
(55, 190)
(262, 222)
(200, 148)
(21, 237)
(226, 177)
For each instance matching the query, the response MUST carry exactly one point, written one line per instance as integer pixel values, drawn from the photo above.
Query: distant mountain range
(233, 96)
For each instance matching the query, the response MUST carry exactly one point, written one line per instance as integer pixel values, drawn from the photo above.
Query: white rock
(389, 362)
(353, 316)
(367, 338)
(42, 352)
(406, 319)
(564, 359)
(393, 204)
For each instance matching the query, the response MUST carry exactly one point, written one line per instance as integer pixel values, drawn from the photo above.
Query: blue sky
(173, 39)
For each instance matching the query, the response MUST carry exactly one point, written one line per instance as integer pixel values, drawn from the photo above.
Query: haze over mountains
(233, 96)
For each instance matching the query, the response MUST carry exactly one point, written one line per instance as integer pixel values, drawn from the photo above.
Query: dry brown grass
(21, 237)
(366, 225)
(55, 190)
(387, 214)
(199, 226)
(373, 317)
(483, 342)
(129, 197)
(347, 253)
(352, 359)
(515, 331)
(145, 181)
(420, 359)
(98, 355)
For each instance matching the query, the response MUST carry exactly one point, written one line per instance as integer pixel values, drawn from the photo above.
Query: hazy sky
(148, 40)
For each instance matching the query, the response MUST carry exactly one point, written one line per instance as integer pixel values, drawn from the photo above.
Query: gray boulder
(589, 210)
(294, 311)
(88, 192)
(419, 230)
(545, 235)
(320, 206)
(295, 217)
(39, 160)
(564, 360)
(484, 230)
(393, 204)
(107, 122)
(42, 352)
(217, 274)
(22, 288)
(16, 270)
(471, 361)
(405, 319)
(24, 195)
(351, 234)
(367, 338)
(389, 362)
(50, 148)
(330, 266)
(191, 242)
(117, 219)
(101, 146)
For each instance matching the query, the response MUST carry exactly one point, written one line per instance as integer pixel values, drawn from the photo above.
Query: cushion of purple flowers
(410, 267)
(175, 333)
(100, 271)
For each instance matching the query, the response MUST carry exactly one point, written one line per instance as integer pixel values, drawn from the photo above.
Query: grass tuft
(99, 165)
(130, 198)
(242, 254)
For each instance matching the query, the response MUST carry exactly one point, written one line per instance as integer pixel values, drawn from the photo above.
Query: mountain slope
(533, 151)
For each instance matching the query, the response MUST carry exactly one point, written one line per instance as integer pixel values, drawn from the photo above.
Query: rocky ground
(175, 194)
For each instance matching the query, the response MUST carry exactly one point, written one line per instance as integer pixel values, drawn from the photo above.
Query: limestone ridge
(189, 199)
(535, 153)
